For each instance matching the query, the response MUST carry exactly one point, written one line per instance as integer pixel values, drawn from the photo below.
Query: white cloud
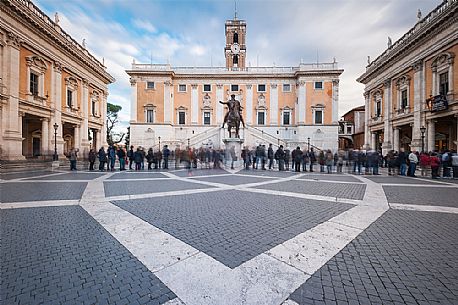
(144, 25)
(198, 50)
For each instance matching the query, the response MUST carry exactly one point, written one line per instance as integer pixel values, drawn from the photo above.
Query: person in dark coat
(270, 156)
(297, 159)
(121, 153)
(165, 156)
(102, 158)
(150, 158)
(138, 159)
(130, 156)
(92, 156)
(280, 157)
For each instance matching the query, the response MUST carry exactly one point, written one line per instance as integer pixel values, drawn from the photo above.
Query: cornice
(26, 13)
(439, 19)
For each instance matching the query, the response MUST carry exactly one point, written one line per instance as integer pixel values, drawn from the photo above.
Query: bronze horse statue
(234, 116)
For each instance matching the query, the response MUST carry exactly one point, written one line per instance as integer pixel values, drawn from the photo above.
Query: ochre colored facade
(47, 80)
(281, 105)
(411, 100)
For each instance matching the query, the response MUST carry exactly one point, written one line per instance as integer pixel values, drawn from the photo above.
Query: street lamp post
(159, 138)
(308, 143)
(422, 130)
(55, 157)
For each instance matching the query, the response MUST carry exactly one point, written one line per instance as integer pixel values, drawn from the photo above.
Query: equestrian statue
(234, 116)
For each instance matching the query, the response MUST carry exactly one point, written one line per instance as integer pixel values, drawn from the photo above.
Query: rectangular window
(207, 88)
(149, 85)
(319, 85)
(404, 101)
(286, 88)
(286, 118)
(348, 129)
(33, 83)
(181, 117)
(150, 116)
(261, 118)
(234, 87)
(69, 98)
(443, 83)
(93, 108)
(206, 118)
(318, 116)
(181, 88)
(262, 88)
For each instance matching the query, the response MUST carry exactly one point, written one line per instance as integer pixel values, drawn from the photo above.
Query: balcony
(403, 111)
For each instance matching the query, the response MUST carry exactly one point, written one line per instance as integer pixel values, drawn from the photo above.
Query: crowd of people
(437, 164)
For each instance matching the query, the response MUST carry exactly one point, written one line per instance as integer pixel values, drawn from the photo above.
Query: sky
(279, 32)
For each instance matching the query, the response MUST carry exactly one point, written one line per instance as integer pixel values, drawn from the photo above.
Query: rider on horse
(234, 108)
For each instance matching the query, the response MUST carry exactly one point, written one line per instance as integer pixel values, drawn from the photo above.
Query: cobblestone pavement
(405, 257)
(232, 226)
(443, 196)
(217, 237)
(350, 191)
(70, 260)
(39, 191)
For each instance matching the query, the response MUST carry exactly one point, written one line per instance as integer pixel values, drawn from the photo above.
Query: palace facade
(410, 95)
(180, 106)
(51, 87)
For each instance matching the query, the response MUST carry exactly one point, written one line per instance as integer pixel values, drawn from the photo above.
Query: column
(249, 104)
(194, 104)
(301, 99)
(12, 138)
(273, 104)
(373, 140)
(76, 136)
(396, 139)
(417, 102)
(84, 144)
(386, 146)
(98, 138)
(335, 101)
(434, 85)
(133, 101)
(103, 131)
(219, 107)
(367, 115)
(431, 135)
(44, 136)
(167, 103)
(450, 75)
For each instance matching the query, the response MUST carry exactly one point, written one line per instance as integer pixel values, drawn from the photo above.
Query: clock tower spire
(235, 50)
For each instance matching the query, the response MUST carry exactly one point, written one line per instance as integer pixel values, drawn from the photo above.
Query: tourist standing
(73, 158)
(413, 160)
(91, 157)
(102, 159)
(402, 161)
(435, 164)
(165, 155)
(121, 153)
(297, 159)
(270, 156)
(130, 156)
(280, 157)
(138, 158)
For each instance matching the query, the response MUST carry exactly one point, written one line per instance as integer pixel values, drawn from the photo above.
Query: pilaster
(273, 104)
(194, 104)
(249, 104)
(133, 101)
(335, 101)
(168, 106)
(418, 99)
(386, 146)
(396, 139)
(45, 137)
(302, 103)
(431, 136)
(367, 116)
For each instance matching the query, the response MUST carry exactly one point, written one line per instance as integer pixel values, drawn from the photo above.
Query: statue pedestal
(234, 144)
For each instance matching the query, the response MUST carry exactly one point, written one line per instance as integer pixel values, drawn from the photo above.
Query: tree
(112, 120)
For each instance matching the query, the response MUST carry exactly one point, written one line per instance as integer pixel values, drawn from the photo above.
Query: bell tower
(235, 50)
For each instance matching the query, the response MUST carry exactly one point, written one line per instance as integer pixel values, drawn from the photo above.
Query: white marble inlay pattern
(198, 279)
(33, 204)
(424, 208)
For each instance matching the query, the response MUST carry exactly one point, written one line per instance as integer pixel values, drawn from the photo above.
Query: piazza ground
(227, 237)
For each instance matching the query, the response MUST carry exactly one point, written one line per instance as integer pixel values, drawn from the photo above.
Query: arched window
(236, 38)
(235, 60)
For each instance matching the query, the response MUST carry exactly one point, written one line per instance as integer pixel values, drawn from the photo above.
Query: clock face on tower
(235, 48)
